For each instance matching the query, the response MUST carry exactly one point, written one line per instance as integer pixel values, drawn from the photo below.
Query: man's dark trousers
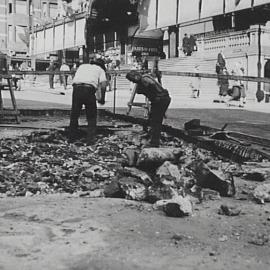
(84, 94)
(157, 113)
(51, 80)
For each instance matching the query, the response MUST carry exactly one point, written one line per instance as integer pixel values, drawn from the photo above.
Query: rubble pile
(118, 166)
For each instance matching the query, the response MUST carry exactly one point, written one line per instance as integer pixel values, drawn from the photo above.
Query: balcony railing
(231, 40)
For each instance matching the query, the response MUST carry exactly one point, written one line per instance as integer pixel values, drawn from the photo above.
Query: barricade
(120, 83)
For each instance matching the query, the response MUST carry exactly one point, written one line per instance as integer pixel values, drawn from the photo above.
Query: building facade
(16, 17)
(239, 28)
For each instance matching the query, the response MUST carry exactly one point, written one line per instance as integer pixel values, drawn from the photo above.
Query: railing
(213, 41)
(224, 40)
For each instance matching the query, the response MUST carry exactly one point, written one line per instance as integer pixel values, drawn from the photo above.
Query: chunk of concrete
(157, 193)
(132, 189)
(262, 193)
(229, 210)
(213, 179)
(151, 158)
(176, 207)
(169, 171)
(142, 176)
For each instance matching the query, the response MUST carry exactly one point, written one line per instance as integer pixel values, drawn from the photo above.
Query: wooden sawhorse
(145, 105)
(8, 112)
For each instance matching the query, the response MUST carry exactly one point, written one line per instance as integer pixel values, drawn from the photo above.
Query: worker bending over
(159, 98)
(88, 79)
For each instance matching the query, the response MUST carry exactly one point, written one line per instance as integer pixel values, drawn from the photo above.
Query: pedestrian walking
(64, 67)
(155, 72)
(51, 68)
(89, 79)
(159, 99)
(185, 44)
(223, 83)
(195, 83)
(73, 70)
(238, 85)
(221, 62)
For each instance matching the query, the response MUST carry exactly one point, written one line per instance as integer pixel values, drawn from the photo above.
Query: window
(9, 8)
(10, 33)
(44, 9)
(53, 10)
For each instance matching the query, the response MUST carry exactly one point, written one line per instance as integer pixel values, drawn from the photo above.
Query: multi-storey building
(16, 16)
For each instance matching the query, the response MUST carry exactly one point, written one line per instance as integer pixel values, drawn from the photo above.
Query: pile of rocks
(118, 166)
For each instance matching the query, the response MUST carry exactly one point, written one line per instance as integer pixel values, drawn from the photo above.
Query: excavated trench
(189, 162)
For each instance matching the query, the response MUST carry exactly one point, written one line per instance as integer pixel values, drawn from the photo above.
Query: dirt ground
(69, 232)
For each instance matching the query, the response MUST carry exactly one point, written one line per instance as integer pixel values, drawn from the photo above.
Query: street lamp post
(259, 93)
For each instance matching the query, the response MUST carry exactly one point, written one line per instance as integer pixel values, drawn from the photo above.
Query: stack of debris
(170, 177)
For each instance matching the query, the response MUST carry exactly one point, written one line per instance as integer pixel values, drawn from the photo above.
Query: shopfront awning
(66, 35)
(152, 34)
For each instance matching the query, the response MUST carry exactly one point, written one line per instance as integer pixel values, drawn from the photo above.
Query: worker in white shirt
(89, 78)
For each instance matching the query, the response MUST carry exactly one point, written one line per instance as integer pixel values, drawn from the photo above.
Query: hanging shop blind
(80, 37)
(211, 8)
(167, 13)
(59, 37)
(40, 42)
(261, 2)
(150, 19)
(188, 10)
(69, 35)
(233, 5)
(49, 40)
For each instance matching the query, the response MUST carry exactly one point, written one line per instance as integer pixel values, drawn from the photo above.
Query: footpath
(252, 119)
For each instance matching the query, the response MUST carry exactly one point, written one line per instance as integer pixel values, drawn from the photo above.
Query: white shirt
(64, 67)
(90, 74)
